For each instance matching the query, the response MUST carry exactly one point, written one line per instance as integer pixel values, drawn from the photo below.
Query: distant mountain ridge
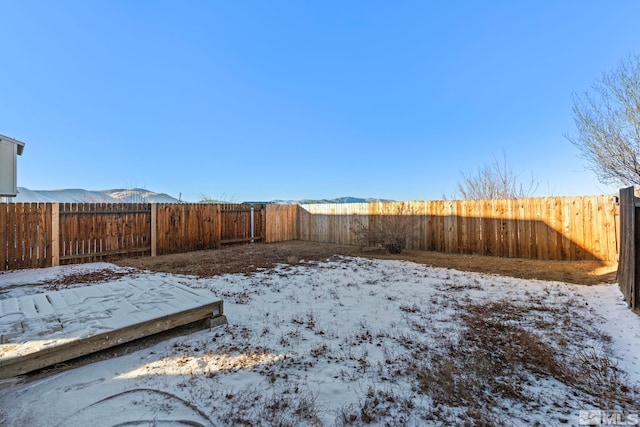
(78, 195)
(346, 199)
(141, 195)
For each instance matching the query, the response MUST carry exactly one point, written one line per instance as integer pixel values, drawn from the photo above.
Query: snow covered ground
(353, 341)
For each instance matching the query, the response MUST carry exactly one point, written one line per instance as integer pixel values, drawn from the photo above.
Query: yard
(330, 335)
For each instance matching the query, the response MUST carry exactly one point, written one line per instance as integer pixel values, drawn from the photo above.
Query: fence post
(55, 234)
(628, 264)
(154, 229)
(253, 223)
(217, 226)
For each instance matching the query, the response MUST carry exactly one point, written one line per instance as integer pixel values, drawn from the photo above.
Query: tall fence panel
(331, 222)
(187, 227)
(628, 274)
(25, 233)
(94, 231)
(557, 228)
(281, 222)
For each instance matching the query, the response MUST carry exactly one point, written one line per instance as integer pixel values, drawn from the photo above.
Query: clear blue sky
(302, 99)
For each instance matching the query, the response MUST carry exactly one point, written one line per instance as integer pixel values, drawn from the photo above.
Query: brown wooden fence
(281, 223)
(25, 235)
(93, 231)
(45, 234)
(243, 223)
(558, 228)
(187, 227)
(629, 265)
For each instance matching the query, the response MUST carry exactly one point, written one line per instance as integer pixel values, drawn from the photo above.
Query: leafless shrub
(224, 198)
(379, 405)
(600, 372)
(279, 408)
(319, 350)
(495, 180)
(414, 308)
(390, 231)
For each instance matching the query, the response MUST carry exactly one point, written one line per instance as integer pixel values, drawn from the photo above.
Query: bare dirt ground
(250, 258)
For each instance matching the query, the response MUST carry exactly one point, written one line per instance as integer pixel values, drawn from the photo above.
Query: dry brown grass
(497, 358)
(250, 258)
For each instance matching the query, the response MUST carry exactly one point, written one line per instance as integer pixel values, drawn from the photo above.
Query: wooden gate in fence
(629, 263)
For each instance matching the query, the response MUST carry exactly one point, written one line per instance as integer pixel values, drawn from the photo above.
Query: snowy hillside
(141, 195)
(345, 199)
(134, 195)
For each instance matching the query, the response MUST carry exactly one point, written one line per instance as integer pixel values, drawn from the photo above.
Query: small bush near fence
(389, 231)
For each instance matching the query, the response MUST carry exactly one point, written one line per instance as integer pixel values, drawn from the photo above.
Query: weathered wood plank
(628, 277)
(81, 347)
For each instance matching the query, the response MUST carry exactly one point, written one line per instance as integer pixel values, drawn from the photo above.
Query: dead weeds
(92, 277)
(254, 257)
(496, 357)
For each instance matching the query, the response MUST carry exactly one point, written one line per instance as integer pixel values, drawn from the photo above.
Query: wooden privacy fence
(282, 223)
(25, 235)
(629, 265)
(46, 234)
(90, 232)
(193, 227)
(557, 228)
(243, 223)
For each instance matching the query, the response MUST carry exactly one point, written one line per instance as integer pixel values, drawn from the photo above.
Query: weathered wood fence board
(557, 228)
(281, 223)
(92, 231)
(24, 232)
(629, 265)
(187, 227)
(46, 234)
(242, 223)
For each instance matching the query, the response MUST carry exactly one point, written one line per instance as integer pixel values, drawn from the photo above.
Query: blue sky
(302, 99)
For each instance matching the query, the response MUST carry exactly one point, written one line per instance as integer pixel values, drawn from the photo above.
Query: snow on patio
(31, 323)
(353, 341)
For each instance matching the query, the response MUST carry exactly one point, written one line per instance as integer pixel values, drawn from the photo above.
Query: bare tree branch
(495, 180)
(608, 123)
